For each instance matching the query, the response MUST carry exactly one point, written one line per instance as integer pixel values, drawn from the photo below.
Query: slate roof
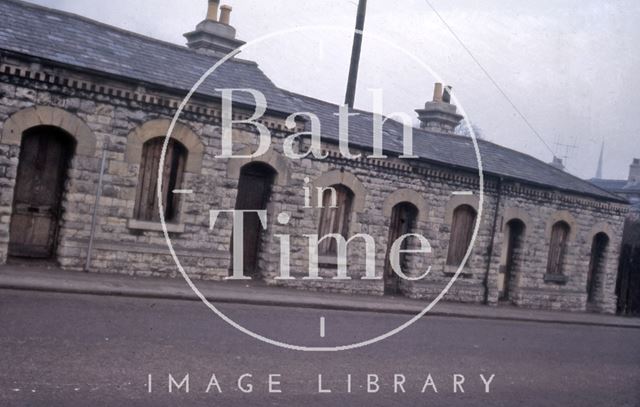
(621, 187)
(83, 43)
(450, 150)
(617, 185)
(613, 185)
(74, 40)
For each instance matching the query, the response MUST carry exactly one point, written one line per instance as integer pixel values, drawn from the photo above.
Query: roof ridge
(144, 37)
(609, 179)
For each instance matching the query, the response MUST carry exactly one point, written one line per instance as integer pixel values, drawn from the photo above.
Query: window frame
(146, 205)
(340, 222)
(455, 252)
(557, 252)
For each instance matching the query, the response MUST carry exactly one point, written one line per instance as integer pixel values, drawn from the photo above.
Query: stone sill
(327, 261)
(134, 224)
(450, 271)
(555, 278)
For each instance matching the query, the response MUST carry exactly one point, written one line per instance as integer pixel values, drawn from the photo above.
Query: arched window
(337, 202)
(464, 218)
(557, 247)
(146, 208)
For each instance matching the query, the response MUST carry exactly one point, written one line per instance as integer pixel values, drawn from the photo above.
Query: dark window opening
(595, 278)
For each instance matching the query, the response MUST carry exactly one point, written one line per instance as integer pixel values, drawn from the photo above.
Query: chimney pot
(212, 12)
(446, 95)
(214, 36)
(225, 14)
(634, 171)
(557, 163)
(437, 92)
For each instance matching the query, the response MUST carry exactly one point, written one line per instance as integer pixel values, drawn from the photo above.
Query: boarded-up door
(628, 284)
(402, 219)
(254, 190)
(42, 170)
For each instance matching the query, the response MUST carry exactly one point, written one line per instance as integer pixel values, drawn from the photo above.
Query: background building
(628, 284)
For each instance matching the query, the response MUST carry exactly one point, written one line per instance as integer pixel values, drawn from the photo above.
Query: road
(77, 350)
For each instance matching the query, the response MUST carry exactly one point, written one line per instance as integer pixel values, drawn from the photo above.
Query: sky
(570, 67)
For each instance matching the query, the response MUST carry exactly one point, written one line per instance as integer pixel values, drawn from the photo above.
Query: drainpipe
(492, 241)
(94, 215)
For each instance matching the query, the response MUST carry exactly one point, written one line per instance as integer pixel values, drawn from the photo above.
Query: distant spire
(599, 171)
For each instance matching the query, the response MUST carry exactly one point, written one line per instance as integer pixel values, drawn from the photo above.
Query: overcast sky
(572, 67)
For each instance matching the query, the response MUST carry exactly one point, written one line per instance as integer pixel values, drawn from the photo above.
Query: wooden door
(42, 169)
(254, 190)
(403, 217)
(628, 281)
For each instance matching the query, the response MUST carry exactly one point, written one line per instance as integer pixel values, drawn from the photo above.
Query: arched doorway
(42, 172)
(595, 276)
(507, 277)
(403, 219)
(254, 192)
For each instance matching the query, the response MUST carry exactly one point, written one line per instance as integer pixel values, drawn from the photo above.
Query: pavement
(49, 279)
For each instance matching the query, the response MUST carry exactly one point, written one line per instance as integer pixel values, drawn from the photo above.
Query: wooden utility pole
(355, 54)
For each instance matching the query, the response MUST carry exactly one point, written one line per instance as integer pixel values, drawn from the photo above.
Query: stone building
(627, 188)
(73, 90)
(628, 282)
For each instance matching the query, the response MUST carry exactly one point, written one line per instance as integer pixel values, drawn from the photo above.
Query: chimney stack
(214, 36)
(557, 163)
(437, 92)
(440, 115)
(225, 14)
(212, 12)
(634, 171)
